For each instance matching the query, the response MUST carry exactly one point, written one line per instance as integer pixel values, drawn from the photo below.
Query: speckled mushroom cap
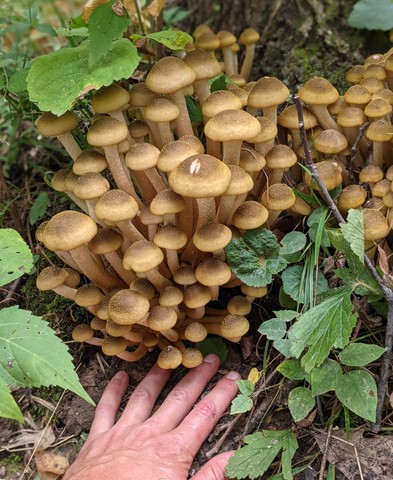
(207, 41)
(51, 277)
(375, 225)
(89, 161)
(115, 330)
(106, 241)
(88, 295)
(196, 295)
(50, 125)
(212, 236)
(267, 92)
(251, 161)
(68, 230)
(357, 95)
(268, 131)
(167, 201)
(142, 256)
(173, 153)
(280, 157)
(219, 101)
(250, 215)
(169, 75)
(351, 117)
(379, 131)
(377, 108)
(330, 141)
(82, 332)
(351, 196)
(231, 125)
(240, 182)
(170, 296)
(162, 109)
(116, 206)
(249, 36)
(170, 237)
(212, 271)
(161, 318)
(142, 156)
(203, 64)
(192, 357)
(110, 98)
(140, 95)
(169, 358)
(91, 185)
(371, 174)
(239, 305)
(288, 118)
(114, 345)
(127, 307)
(234, 326)
(355, 74)
(185, 275)
(106, 131)
(318, 91)
(195, 332)
(329, 172)
(256, 292)
(200, 176)
(278, 197)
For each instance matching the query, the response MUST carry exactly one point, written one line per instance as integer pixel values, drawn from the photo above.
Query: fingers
(107, 407)
(182, 398)
(143, 398)
(200, 421)
(214, 469)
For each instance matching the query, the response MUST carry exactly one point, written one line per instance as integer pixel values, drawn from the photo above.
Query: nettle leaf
(38, 208)
(8, 407)
(324, 378)
(274, 329)
(293, 283)
(104, 27)
(371, 15)
(16, 258)
(357, 390)
(327, 325)
(172, 39)
(360, 354)
(246, 387)
(353, 232)
(31, 355)
(300, 402)
(252, 460)
(241, 404)
(255, 257)
(292, 369)
(56, 80)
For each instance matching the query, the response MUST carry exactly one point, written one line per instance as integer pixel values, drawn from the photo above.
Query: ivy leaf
(32, 355)
(274, 329)
(172, 39)
(292, 369)
(38, 208)
(255, 257)
(364, 14)
(252, 460)
(324, 378)
(360, 354)
(329, 324)
(300, 402)
(357, 391)
(66, 71)
(353, 232)
(293, 283)
(16, 258)
(241, 404)
(104, 27)
(8, 407)
(213, 345)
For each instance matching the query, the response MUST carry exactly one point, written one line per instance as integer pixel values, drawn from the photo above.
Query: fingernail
(119, 375)
(211, 358)
(232, 376)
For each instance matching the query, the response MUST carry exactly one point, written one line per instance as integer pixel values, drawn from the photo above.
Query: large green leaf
(8, 407)
(324, 378)
(292, 369)
(57, 80)
(300, 402)
(372, 15)
(327, 325)
(15, 256)
(32, 355)
(360, 354)
(293, 283)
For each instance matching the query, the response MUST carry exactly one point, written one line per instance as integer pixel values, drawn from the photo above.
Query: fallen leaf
(155, 7)
(50, 462)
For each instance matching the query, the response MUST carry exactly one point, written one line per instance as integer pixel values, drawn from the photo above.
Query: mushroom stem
(324, 118)
(134, 356)
(116, 262)
(66, 292)
(231, 152)
(183, 122)
(70, 144)
(247, 62)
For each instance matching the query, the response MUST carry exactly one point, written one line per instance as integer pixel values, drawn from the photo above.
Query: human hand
(162, 446)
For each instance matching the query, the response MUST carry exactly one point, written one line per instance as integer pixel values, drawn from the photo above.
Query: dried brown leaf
(50, 462)
(155, 8)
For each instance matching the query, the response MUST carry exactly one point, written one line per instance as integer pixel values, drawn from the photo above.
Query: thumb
(214, 469)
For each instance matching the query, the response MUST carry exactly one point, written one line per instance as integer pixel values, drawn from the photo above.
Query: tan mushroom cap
(377, 108)
(162, 109)
(161, 318)
(280, 157)
(212, 237)
(142, 256)
(234, 326)
(381, 188)
(219, 101)
(116, 206)
(140, 95)
(318, 91)
(89, 161)
(88, 295)
(195, 332)
(142, 156)
(376, 226)
(169, 75)
(50, 125)
(372, 84)
(371, 174)
(73, 278)
(251, 161)
(91, 185)
(114, 345)
(58, 181)
(352, 196)
(51, 277)
(249, 36)
(355, 74)
(170, 237)
(351, 117)
(68, 230)
(115, 330)
(192, 357)
(268, 92)
(193, 142)
(231, 125)
(110, 98)
(256, 292)
(106, 131)
(288, 118)
(212, 271)
(169, 358)
(240, 183)
(127, 307)
(200, 176)
(329, 172)
(250, 215)
(207, 41)
(203, 64)
(170, 296)
(357, 95)
(173, 153)
(268, 131)
(185, 275)
(379, 131)
(196, 295)
(167, 201)
(106, 241)
(330, 141)
(82, 333)
(278, 197)
(239, 305)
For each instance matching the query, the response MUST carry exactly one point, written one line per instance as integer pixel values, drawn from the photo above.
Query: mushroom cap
(169, 75)
(115, 330)
(329, 172)
(142, 256)
(58, 181)
(379, 131)
(239, 305)
(251, 161)
(351, 117)
(371, 174)
(73, 278)
(357, 95)
(375, 225)
(193, 142)
(137, 129)
(88, 295)
(200, 176)
(50, 125)
(68, 230)
(372, 84)
(268, 131)
(213, 271)
(116, 206)
(288, 118)
(97, 324)
(330, 141)
(256, 292)
(318, 91)
(142, 156)
(102, 310)
(381, 188)
(170, 296)
(234, 326)
(167, 201)
(203, 64)
(173, 153)
(106, 131)
(192, 357)
(232, 124)
(351, 196)
(250, 215)
(185, 275)
(51, 277)
(211, 237)
(355, 74)
(127, 307)
(82, 333)
(226, 38)
(140, 95)
(110, 98)
(195, 332)
(280, 157)
(249, 36)
(278, 197)
(240, 182)
(377, 108)
(162, 109)
(106, 241)
(268, 92)
(161, 318)
(89, 161)
(219, 101)
(170, 237)
(169, 358)
(114, 345)
(196, 295)
(91, 185)
(207, 41)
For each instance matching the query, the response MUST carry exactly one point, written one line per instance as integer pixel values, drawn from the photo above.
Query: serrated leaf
(292, 369)
(219, 82)
(252, 460)
(274, 329)
(286, 315)
(17, 83)
(358, 392)
(324, 378)
(253, 376)
(327, 325)
(241, 404)
(255, 257)
(213, 345)
(16, 258)
(8, 407)
(246, 387)
(172, 39)
(32, 355)
(66, 71)
(300, 402)
(364, 14)
(353, 232)
(39, 207)
(104, 27)
(341, 245)
(293, 283)
(362, 282)
(283, 345)
(293, 242)
(360, 354)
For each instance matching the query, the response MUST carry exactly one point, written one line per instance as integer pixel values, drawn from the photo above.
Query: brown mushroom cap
(114, 345)
(230, 125)
(371, 174)
(127, 307)
(170, 296)
(278, 197)
(167, 201)
(169, 358)
(212, 237)
(239, 305)
(162, 109)
(330, 141)
(82, 333)
(89, 161)
(352, 196)
(142, 256)
(329, 172)
(250, 215)
(88, 295)
(267, 92)
(219, 101)
(110, 98)
(203, 64)
(212, 271)
(169, 75)
(195, 332)
(142, 156)
(192, 357)
(280, 157)
(161, 318)
(318, 91)
(106, 241)
(91, 185)
(51, 277)
(116, 206)
(196, 295)
(106, 131)
(234, 326)
(50, 125)
(376, 226)
(256, 292)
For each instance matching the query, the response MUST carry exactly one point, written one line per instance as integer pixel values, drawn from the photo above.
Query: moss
(13, 463)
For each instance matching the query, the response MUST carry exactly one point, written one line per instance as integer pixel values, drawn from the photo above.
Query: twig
(355, 150)
(327, 443)
(387, 292)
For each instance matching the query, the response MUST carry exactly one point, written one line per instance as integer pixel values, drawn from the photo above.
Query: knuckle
(207, 408)
(172, 446)
(140, 394)
(104, 409)
(179, 395)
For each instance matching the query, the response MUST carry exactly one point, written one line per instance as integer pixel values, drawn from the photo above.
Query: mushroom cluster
(160, 196)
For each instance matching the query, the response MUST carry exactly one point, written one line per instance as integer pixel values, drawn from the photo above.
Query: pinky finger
(214, 469)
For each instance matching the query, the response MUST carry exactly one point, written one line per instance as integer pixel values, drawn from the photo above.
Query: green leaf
(246, 387)
(283, 345)
(286, 315)
(371, 15)
(56, 80)
(274, 329)
(172, 39)
(295, 471)
(317, 230)
(255, 257)
(38, 209)
(353, 232)
(17, 83)
(8, 407)
(300, 402)
(45, 28)
(213, 345)
(73, 32)
(252, 460)
(241, 404)
(293, 283)
(362, 283)
(293, 242)
(360, 354)
(285, 300)
(358, 392)
(327, 325)
(16, 258)
(324, 378)
(194, 110)
(32, 355)
(219, 82)
(292, 369)
(104, 27)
